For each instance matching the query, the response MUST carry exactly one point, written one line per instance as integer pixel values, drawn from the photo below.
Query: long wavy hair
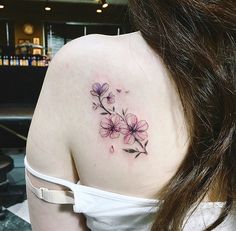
(196, 41)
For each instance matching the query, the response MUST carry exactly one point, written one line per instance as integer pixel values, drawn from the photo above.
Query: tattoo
(115, 124)
(112, 149)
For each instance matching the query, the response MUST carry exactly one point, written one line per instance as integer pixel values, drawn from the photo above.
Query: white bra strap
(51, 179)
(51, 196)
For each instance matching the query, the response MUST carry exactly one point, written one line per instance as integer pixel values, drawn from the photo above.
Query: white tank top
(107, 211)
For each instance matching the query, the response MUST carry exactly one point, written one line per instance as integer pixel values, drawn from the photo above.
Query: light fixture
(104, 3)
(1, 6)
(47, 7)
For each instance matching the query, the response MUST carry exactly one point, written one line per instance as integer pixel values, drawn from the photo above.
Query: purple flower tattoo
(114, 124)
(110, 98)
(98, 89)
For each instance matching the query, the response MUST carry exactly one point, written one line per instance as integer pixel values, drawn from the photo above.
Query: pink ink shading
(110, 126)
(134, 130)
(110, 98)
(112, 150)
(114, 124)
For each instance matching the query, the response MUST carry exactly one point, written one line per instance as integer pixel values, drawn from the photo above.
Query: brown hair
(196, 41)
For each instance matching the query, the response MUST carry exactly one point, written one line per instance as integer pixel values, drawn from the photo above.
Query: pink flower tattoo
(110, 126)
(115, 124)
(134, 130)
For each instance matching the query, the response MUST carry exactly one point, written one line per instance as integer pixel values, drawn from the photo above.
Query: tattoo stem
(145, 151)
(120, 116)
(101, 105)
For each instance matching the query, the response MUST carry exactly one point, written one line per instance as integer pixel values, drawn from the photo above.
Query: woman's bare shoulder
(115, 80)
(96, 48)
(94, 42)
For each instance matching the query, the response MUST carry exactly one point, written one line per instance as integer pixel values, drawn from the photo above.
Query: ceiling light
(1, 6)
(99, 11)
(104, 3)
(47, 8)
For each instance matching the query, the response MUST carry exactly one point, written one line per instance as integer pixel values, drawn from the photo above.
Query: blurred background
(31, 32)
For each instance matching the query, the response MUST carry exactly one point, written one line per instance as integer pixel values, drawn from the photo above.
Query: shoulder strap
(51, 196)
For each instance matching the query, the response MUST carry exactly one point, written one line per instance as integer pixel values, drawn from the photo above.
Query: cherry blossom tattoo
(115, 124)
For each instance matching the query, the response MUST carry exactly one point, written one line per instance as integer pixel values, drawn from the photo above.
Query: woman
(144, 121)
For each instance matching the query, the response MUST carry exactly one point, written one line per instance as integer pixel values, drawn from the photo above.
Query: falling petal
(112, 149)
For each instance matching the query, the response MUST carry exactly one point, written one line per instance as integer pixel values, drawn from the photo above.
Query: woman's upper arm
(47, 148)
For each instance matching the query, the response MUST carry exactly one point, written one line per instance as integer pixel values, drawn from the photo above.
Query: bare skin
(64, 139)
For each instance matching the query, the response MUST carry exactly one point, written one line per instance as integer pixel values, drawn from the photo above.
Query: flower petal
(141, 135)
(104, 132)
(96, 87)
(115, 119)
(110, 98)
(131, 119)
(114, 134)
(93, 93)
(142, 125)
(124, 129)
(104, 88)
(106, 122)
(129, 139)
(111, 101)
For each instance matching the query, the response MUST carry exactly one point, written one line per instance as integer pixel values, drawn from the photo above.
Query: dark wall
(19, 91)
(78, 12)
(20, 85)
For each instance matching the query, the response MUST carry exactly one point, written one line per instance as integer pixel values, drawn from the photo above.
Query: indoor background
(31, 32)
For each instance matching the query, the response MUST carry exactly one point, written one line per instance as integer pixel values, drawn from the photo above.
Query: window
(102, 29)
(73, 32)
(55, 37)
(58, 34)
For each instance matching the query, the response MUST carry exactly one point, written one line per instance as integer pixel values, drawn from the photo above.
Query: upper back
(121, 97)
(109, 99)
